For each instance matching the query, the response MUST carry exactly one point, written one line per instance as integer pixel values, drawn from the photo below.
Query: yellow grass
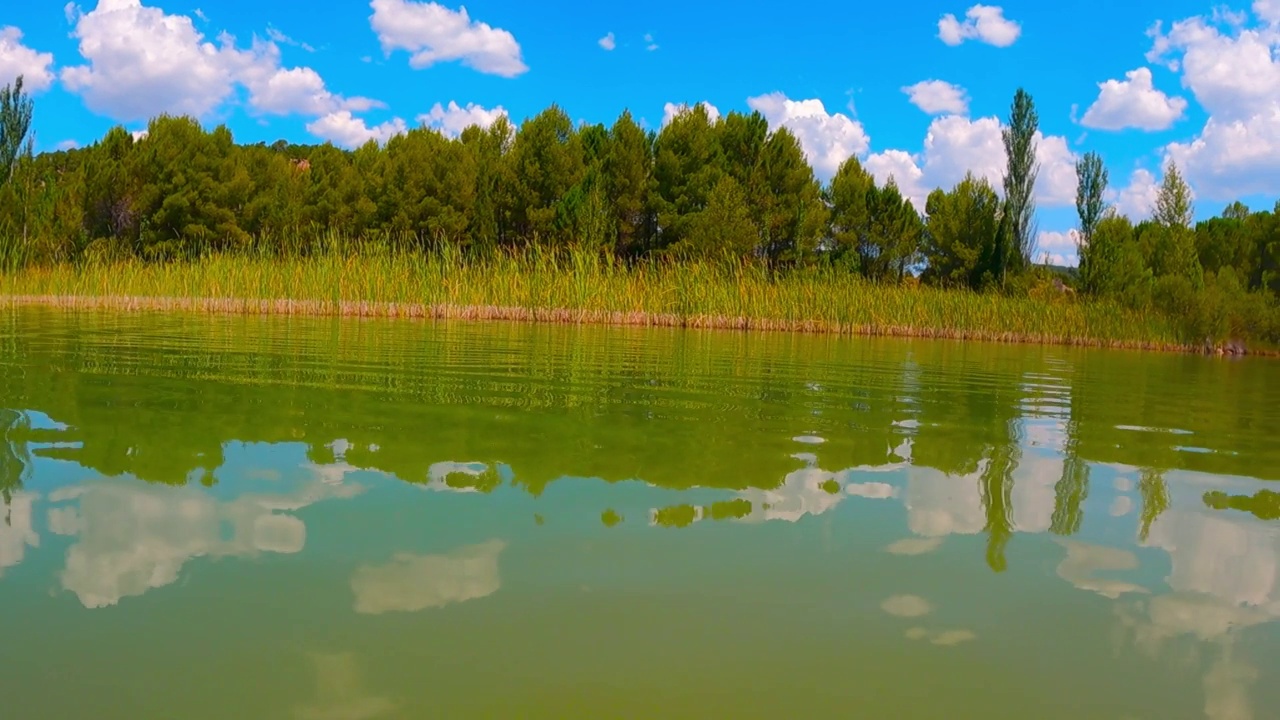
(581, 287)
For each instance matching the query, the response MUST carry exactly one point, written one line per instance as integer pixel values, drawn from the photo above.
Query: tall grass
(580, 286)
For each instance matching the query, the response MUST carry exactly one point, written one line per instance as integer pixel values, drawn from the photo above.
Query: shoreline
(562, 316)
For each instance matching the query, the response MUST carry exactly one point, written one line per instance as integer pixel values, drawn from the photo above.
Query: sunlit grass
(582, 287)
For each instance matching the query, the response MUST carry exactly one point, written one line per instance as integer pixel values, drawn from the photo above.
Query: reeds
(581, 286)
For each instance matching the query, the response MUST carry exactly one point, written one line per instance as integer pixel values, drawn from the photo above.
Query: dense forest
(723, 189)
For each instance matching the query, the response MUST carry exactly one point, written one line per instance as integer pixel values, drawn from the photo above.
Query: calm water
(283, 518)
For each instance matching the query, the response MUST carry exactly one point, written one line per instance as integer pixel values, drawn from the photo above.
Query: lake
(237, 517)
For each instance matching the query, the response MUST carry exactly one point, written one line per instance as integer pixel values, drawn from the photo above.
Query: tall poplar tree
(1014, 250)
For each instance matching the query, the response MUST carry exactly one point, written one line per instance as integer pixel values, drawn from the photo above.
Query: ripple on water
(809, 439)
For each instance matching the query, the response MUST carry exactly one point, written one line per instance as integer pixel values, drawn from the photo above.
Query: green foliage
(16, 109)
(707, 192)
(1112, 265)
(960, 231)
(1091, 185)
(1013, 251)
(1173, 204)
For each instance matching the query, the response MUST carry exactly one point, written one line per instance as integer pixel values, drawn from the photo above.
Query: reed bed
(581, 287)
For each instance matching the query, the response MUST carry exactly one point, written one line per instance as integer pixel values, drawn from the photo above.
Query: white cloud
(143, 62)
(670, 110)
(650, 45)
(608, 42)
(985, 23)
(1133, 103)
(433, 33)
(1234, 158)
(1061, 248)
(1268, 10)
(452, 120)
(1235, 75)
(343, 128)
(68, 145)
(18, 59)
(899, 165)
(828, 139)
(278, 37)
(1137, 200)
(937, 97)
(298, 90)
(955, 145)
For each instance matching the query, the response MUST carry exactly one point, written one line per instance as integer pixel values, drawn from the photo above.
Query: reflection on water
(340, 694)
(417, 582)
(963, 497)
(130, 538)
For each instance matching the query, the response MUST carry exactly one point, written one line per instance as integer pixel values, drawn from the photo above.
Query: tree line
(696, 189)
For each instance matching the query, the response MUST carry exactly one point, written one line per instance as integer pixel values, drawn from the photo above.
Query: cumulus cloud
(452, 120)
(1267, 10)
(937, 97)
(955, 145)
(828, 139)
(1235, 75)
(280, 91)
(1138, 199)
(1059, 247)
(143, 62)
(433, 33)
(1133, 103)
(985, 23)
(670, 110)
(18, 59)
(650, 45)
(608, 42)
(343, 128)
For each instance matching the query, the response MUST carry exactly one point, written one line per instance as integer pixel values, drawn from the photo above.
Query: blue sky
(915, 90)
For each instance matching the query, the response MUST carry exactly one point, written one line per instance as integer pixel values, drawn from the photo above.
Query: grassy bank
(584, 288)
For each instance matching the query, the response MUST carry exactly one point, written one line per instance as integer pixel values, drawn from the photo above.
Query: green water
(285, 518)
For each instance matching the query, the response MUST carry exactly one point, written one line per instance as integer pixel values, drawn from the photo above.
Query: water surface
(227, 517)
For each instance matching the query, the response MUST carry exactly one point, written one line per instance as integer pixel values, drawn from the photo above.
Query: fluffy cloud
(608, 42)
(985, 23)
(936, 97)
(828, 139)
(343, 128)
(1138, 198)
(1233, 158)
(1060, 247)
(1133, 103)
(1268, 10)
(301, 90)
(452, 120)
(902, 168)
(433, 33)
(1235, 75)
(670, 110)
(143, 62)
(955, 145)
(18, 59)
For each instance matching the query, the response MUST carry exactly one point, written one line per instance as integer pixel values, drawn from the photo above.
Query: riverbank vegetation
(705, 222)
